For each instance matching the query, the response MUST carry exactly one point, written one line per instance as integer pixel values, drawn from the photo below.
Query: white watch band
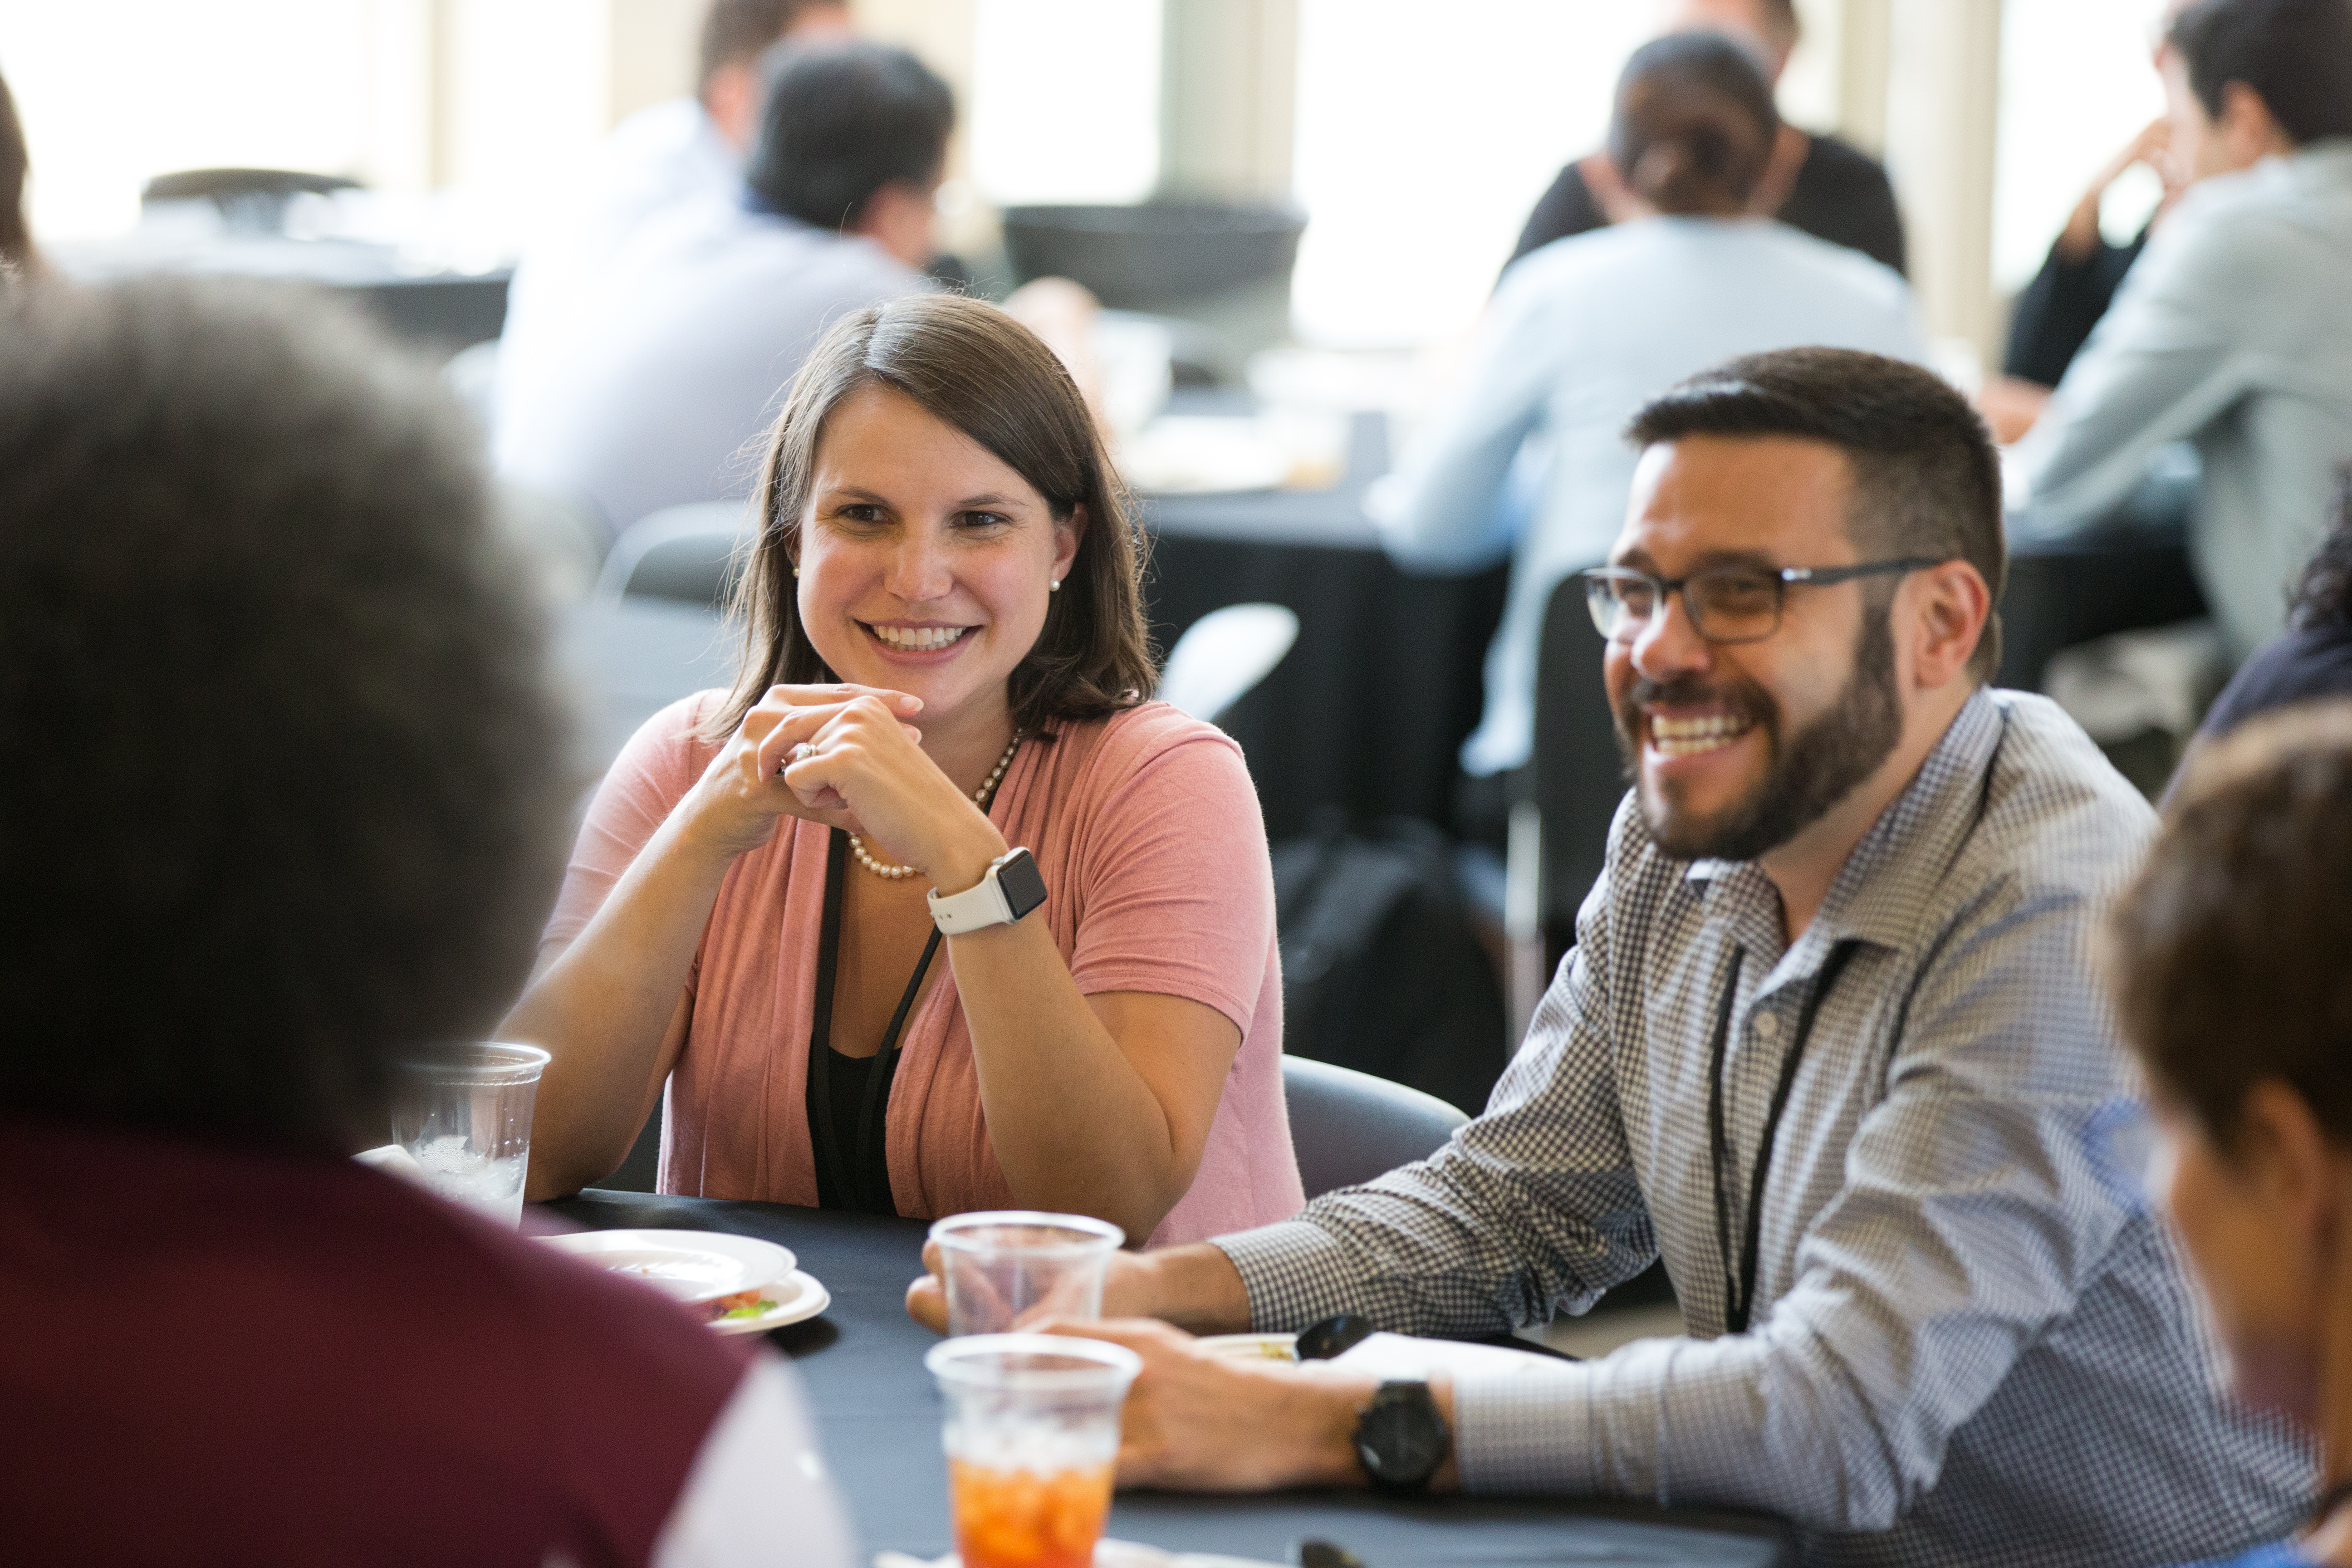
(977, 907)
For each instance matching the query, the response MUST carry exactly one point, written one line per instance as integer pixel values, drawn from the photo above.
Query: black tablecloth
(1369, 708)
(862, 1362)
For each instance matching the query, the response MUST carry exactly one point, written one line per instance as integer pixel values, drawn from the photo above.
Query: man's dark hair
(1694, 125)
(282, 780)
(842, 121)
(2324, 597)
(738, 32)
(1926, 479)
(2226, 955)
(2295, 54)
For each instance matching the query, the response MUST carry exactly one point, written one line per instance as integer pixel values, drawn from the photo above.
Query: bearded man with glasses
(1827, 1043)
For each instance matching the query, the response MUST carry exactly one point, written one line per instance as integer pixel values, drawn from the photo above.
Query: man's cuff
(1524, 1431)
(1296, 1274)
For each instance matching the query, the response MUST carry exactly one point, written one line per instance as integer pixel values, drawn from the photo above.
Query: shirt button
(1767, 1025)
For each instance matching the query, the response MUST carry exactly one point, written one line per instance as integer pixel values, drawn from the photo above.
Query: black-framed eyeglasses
(1726, 603)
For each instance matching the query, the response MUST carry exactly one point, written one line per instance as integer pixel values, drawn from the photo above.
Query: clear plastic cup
(1006, 1267)
(463, 1114)
(1032, 1438)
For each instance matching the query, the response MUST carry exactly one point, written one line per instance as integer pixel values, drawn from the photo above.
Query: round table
(862, 1362)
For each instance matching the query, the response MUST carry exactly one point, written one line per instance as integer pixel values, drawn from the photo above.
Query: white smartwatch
(1010, 889)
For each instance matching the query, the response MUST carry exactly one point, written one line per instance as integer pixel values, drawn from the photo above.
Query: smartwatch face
(1019, 881)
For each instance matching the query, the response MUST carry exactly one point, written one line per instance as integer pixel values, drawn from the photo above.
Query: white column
(1943, 100)
(1228, 96)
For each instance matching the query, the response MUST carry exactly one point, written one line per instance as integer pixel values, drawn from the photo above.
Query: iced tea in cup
(1007, 1266)
(1031, 1435)
(463, 1113)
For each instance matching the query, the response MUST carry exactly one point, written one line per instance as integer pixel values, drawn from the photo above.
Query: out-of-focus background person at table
(2230, 332)
(945, 657)
(2313, 658)
(1819, 184)
(283, 771)
(1582, 334)
(648, 385)
(2226, 959)
(675, 150)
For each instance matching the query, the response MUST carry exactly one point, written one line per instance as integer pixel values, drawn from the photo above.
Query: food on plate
(742, 1304)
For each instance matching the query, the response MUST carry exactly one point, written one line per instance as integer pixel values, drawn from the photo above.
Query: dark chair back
(1348, 1126)
(684, 553)
(1580, 773)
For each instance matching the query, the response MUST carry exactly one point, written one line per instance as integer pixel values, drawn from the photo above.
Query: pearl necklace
(980, 798)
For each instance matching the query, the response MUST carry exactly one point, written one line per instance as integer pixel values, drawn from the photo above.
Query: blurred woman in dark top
(1824, 186)
(2313, 657)
(16, 253)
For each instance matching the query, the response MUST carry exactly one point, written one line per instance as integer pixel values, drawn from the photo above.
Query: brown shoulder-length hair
(977, 369)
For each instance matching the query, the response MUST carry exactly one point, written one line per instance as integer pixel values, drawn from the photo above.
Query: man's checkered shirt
(1972, 1342)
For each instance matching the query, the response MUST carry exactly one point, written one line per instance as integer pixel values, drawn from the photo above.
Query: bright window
(2078, 83)
(1064, 102)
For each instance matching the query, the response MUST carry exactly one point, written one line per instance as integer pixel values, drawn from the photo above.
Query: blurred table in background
(385, 254)
(1372, 704)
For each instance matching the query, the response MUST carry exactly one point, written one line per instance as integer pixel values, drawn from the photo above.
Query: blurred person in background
(665, 152)
(2313, 657)
(649, 387)
(2054, 314)
(2231, 331)
(1579, 336)
(18, 257)
(2227, 966)
(1826, 187)
(941, 702)
(284, 787)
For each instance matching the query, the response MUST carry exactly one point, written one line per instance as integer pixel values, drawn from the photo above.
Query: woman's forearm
(605, 1008)
(1079, 1122)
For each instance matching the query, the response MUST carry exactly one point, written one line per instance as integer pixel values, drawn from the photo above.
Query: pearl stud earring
(1057, 586)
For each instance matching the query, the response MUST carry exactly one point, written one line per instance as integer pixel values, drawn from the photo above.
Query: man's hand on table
(1197, 1287)
(1196, 1421)
(1200, 1422)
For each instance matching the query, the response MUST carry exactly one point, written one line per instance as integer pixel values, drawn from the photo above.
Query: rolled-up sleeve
(1531, 1207)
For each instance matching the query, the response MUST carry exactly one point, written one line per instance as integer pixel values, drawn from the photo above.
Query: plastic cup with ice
(1032, 1439)
(1005, 1268)
(463, 1114)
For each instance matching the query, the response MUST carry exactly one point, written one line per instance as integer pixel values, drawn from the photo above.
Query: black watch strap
(1400, 1438)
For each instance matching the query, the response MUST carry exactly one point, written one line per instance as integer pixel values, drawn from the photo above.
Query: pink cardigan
(1147, 830)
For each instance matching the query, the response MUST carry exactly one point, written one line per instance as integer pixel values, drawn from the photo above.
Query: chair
(685, 553)
(1348, 1126)
(252, 200)
(1223, 655)
(1559, 839)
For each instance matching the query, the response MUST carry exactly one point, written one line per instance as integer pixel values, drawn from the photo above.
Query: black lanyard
(1739, 1275)
(849, 1180)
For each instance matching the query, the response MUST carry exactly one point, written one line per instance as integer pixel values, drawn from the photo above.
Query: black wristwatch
(1400, 1438)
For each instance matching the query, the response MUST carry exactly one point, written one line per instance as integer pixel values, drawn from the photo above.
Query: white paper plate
(798, 1296)
(689, 1264)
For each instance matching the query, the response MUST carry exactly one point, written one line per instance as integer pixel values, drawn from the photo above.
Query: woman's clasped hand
(844, 756)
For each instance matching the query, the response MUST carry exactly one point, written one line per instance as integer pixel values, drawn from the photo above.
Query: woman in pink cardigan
(933, 912)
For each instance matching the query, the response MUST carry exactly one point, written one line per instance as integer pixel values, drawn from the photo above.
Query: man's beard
(1806, 774)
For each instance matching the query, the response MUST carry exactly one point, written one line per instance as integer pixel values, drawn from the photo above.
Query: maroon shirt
(213, 1356)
